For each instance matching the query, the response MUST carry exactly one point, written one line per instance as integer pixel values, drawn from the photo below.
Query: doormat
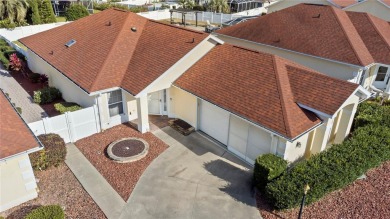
(181, 126)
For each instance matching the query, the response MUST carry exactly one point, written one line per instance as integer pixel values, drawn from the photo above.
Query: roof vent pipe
(134, 29)
(318, 16)
(109, 23)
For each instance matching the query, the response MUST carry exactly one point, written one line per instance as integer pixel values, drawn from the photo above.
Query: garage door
(214, 121)
(246, 140)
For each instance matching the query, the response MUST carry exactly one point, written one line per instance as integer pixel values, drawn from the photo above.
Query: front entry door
(382, 78)
(154, 103)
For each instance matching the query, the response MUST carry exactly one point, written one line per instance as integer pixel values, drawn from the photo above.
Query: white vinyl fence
(20, 32)
(71, 126)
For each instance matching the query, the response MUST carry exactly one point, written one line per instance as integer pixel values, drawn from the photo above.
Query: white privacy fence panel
(71, 126)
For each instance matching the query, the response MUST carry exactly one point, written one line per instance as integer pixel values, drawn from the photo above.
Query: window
(115, 104)
(381, 73)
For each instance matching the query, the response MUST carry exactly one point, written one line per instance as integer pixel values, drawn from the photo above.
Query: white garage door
(246, 140)
(214, 121)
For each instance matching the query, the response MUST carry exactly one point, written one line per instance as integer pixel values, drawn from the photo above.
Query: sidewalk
(93, 182)
(31, 112)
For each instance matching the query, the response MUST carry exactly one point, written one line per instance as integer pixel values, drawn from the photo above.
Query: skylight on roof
(70, 43)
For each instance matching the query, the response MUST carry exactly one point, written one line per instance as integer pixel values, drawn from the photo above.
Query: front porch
(156, 122)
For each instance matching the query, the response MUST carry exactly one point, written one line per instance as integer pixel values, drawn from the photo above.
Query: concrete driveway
(194, 178)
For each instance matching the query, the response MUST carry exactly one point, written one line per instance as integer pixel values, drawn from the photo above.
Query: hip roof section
(15, 136)
(113, 48)
(318, 30)
(264, 88)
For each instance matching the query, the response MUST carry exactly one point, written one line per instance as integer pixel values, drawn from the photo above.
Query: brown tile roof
(107, 53)
(264, 88)
(375, 34)
(318, 30)
(15, 136)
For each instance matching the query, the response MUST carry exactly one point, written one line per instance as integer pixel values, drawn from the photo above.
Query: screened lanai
(242, 5)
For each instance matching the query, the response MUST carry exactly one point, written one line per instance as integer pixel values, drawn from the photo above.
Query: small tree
(15, 63)
(46, 12)
(33, 16)
(220, 6)
(186, 3)
(75, 12)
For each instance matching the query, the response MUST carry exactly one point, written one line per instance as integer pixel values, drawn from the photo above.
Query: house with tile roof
(378, 8)
(130, 67)
(352, 46)
(17, 180)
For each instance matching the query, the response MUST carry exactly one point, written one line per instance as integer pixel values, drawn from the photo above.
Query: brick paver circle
(128, 150)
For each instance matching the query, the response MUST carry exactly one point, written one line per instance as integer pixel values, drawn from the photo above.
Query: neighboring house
(352, 46)
(132, 67)
(17, 180)
(260, 103)
(379, 8)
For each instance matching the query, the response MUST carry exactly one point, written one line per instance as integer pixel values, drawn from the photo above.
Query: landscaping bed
(366, 198)
(122, 176)
(58, 185)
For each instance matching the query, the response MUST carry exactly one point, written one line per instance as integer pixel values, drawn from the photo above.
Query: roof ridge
(378, 30)
(345, 33)
(100, 73)
(281, 95)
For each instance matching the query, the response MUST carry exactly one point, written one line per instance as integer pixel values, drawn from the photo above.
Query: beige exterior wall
(70, 91)
(373, 7)
(293, 151)
(184, 106)
(333, 69)
(17, 182)
(277, 6)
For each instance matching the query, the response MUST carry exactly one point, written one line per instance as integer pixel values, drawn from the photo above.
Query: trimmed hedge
(47, 95)
(64, 107)
(267, 167)
(53, 154)
(47, 212)
(372, 113)
(34, 77)
(332, 169)
(75, 12)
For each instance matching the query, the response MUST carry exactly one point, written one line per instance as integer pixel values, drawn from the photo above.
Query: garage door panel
(238, 135)
(214, 121)
(259, 142)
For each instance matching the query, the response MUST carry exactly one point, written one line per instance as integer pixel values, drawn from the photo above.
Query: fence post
(69, 126)
(46, 125)
(211, 20)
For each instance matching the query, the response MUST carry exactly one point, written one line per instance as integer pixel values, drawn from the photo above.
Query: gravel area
(59, 186)
(121, 176)
(368, 198)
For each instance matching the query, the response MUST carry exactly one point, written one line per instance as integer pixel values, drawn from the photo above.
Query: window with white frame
(381, 73)
(115, 103)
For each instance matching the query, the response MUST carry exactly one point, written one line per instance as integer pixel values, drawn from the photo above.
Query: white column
(143, 115)
(346, 120)
(321, 136)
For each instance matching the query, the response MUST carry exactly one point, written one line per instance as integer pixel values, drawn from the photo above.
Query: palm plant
(220, 6)
(186, 3)
(13, 10)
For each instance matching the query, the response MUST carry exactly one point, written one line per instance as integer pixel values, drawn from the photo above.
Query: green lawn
(61, 19)
(20, 45)
(96, 11)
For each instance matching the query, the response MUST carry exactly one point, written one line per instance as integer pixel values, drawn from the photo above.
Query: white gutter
(275, 47)
(270, 131)
(29, 151)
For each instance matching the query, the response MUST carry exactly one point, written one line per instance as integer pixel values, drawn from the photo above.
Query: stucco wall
(17, 182)
(183, 106)
(373, 7)
(293, 152)
(288, 3)
(333, 69)
(70, 91)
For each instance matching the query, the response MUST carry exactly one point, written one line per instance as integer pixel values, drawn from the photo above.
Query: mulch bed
(122, 176)
(368, 198)
(59, 186)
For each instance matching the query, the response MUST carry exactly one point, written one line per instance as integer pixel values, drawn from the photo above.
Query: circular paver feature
(128, 150)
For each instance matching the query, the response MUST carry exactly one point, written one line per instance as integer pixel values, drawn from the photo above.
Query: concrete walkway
(94, 183)
(193, 178)
(31, 112)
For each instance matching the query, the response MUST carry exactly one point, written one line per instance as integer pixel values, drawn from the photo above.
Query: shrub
(64, 107)
(372, 113)
(46, 95)
(46, 11)
(6, 23)
(19, 109)
(34, 77)
(199, 8)
(4, 61)
(332, 169)
(47, 212)
(15, 63)
(267, 168)
(75, 12)
(33, 16)
(3, 42)
(44, 79)
(53, 154)
(104, 6)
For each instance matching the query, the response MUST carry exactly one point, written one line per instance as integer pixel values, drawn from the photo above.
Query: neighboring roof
(318, 30)
(265, 88)
(108, 53)
(15, 136)
(343, 3)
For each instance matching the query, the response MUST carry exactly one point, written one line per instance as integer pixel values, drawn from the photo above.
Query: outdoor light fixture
(298, 144)
(305, 190)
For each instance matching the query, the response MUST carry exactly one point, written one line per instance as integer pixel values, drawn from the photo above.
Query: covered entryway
(157, 103)
(382, 78)
(246, 140)
(214, 121)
